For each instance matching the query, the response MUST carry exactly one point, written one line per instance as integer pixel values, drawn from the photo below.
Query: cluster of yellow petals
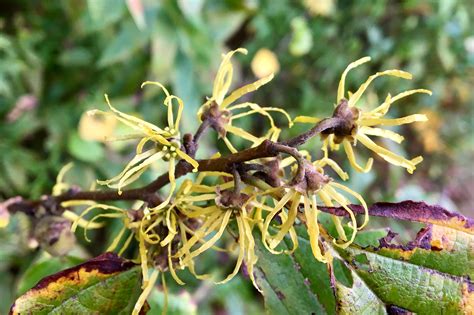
(330, 194)
(200, 204)
(369, 123)
(192, 201)
(165, 143)
(221, 87)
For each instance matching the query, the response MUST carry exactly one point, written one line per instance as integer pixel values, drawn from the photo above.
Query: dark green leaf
(294, 284)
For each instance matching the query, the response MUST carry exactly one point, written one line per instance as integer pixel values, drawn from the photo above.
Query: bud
(54, 235)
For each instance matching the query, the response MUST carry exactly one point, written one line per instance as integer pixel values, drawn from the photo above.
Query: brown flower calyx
(217, 118)
(230, 199)
(312, 180)
(347, 116)
(272, 173)
(136, 215)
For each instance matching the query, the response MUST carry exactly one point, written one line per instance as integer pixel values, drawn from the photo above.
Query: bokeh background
(58, 58)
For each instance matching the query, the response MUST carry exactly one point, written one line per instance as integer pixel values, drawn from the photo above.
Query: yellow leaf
(320, 7)
(96, 127)
(264, 63)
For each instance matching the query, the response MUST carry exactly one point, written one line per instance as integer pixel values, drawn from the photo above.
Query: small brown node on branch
(230, 199)
(271, 173)
(312, 180)
(347, 127)
(217, 118)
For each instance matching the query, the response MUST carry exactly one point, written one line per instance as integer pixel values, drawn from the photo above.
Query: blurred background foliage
(58, 58)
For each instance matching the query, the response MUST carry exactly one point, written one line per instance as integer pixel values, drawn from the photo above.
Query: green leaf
(444, 249)
(191, 9)
(224, 24)
(406, 285)
(185, 85)
(294, 284)
(123, 45)
(88, 151)
(106, 284)
(369, 237)
(105, 12)
(178, 304)
(430, 274)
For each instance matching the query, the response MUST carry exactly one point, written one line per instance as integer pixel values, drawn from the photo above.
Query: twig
(149, 194)
(325, 125)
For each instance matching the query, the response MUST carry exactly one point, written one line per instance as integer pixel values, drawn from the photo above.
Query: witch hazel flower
(154, 143)
(359, 126)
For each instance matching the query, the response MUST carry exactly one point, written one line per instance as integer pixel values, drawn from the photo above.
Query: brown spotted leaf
(106, 284)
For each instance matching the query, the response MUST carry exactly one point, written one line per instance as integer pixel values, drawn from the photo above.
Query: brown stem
(322, 126)
(237, 180)
(298, 157)
(226, 164)
(202, 128)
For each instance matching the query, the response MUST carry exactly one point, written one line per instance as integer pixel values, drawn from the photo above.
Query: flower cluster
(162, 144)
(264, 198)
(222, 111)
(361, 124)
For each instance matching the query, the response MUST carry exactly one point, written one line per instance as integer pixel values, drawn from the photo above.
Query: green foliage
(296, 283)
(57, 64)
